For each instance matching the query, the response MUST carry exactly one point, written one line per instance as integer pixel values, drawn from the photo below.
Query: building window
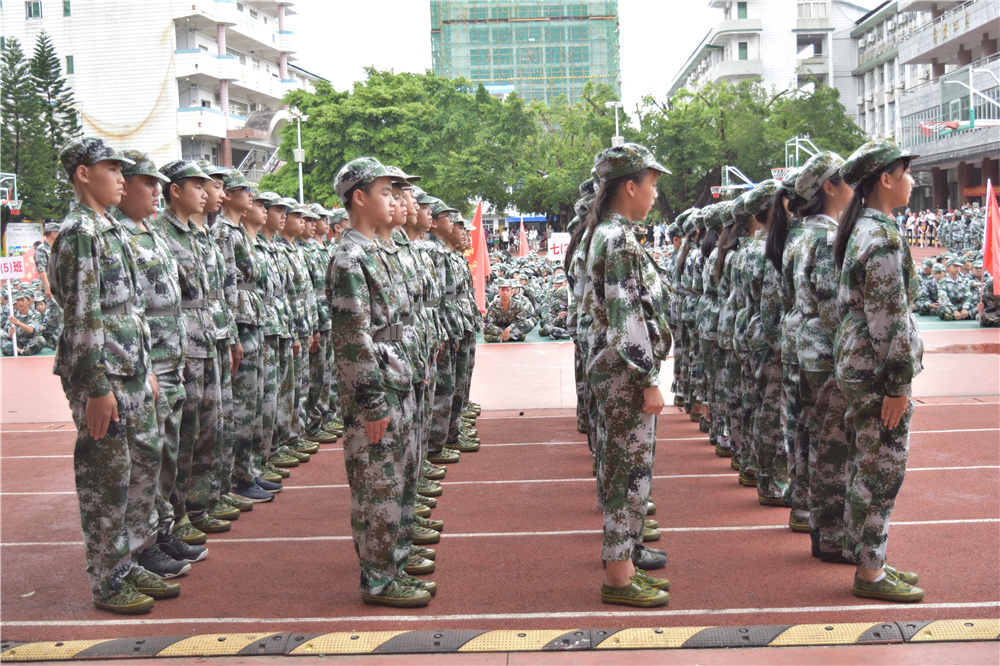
(253, 13)
(741, 10)
(812, 9)
(66, 8)
(240, 7)
(33, 10)
(744, 55)
(69, 65)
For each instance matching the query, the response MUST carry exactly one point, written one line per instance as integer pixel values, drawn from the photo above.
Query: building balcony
(815, 65)
(252, 35)
(205, 13)
(817, 24)
(196, 63)
(961, 28)
(286, 41)
(927, 5)
(735, 70)
(201, 122)
(255, 82)
(724, 31)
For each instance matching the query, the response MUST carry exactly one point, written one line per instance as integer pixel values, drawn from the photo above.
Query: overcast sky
(339, 39)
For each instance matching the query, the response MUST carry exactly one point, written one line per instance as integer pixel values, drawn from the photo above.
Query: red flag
(479, 258)
(991, 243)
(523, 252)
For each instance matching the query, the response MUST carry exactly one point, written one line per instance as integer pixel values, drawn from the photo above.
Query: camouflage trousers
(794, 428)
(948, 312)
(695, 367)
(925, 309)
(686, 383)
(317, 411)
(383, 482)
(678, 352)
(273, 346)
(558, 333)
(332, 389)
(444, 392)
(494, 335)
(168, 425)
(248, 403)
(626, 445)
(426, 405)
(876, 467)
(116, 481)
(197, 481)
(723, 387)
(711, 378)
(224, 449)
(988, 319)
(769, 439)
(734, 404)
(285, 408)
(681, 372)
(300, 392)
(463, 378)
(28, 344)
(823, 408)
(582, 390)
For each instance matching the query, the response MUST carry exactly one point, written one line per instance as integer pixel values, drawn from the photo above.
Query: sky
(656, 37)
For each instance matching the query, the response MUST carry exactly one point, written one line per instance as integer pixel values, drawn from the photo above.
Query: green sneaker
(290, 452)
(798, 523)
(148, 584)
(127, 602)
(723, 451)
(748, 478)
(444, 457)
(211, 525)
(734, 463)
(304, 447)
(321, 437)
(271, 477)
(428, 586)
(432, 471)
(429, 502)
(650, 534)
(422, 511)
(475, 407)
(221, 510)
(242, 505)
(650, 523)
(426, 553)
(636, 593)
(398, 596)
(431, 524)
(281, 459)
(907, 577)
(418, 566)
(889, 588)
(429, 488)
(422, 535)
(188, 533)
(463, 446)
(651, 581)
(281, 472)
(650, 507)
(471, 433)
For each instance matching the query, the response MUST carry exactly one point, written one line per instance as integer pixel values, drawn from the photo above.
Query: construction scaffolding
(539, 49)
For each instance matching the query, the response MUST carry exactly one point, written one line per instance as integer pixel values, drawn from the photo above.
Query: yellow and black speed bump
(468, 641)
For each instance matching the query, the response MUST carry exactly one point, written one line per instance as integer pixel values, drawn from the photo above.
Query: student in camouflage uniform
(955, 295)
(507, 318)
(877, 354)
(377, 400)
(929, 299)
(627, 341)
(156, 270)
(558, 310)
(26, 323)
(577, 321)
(103, 360)
(821, 186)
(736, 228)
(707, 321)
(317, 405)
(42, 254)
(51, 321)
(989, 305)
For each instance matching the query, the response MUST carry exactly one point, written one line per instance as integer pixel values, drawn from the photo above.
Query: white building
(186, 79)
(783, 42)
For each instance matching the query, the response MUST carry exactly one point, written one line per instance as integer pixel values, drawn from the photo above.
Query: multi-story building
(185, 79)
(784, 43)
(539, 49)
(952, 117)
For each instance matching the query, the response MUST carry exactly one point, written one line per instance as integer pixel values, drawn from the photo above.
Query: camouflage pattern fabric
(559, 303)
(88, 151)
(30, 344)
(927, 297)
(52, 324)
(42, 254)
(797, 493)
(197, 483)
(990, 316)
(955, 296)
(824, 409)
(248, 408)
(517, 316)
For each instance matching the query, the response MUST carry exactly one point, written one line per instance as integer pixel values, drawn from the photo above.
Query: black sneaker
(254, 493)
(273, 488)
(161, 565)
(180, 551)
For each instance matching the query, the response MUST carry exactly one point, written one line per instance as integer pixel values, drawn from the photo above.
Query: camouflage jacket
(727, 303)
(301, 255)
(708, 321)
(990, 316)
(518, 316)
(401, 278)
(92, 270)
(363, 305)
(156, 268)
(222, 288)
(318, 260)
(297, 288)
(878, 343)
(624, 297)
(433, 294)
(754, 271)
(465, 294)
(244, 267)
(956, 293)
(52, 322)
(792, 317)
(928, 294)
(193, 277)
(42, 254)
(577, 319)
(692, 286)
(274, 293)
(31, 318)
(817, 282)
(413, 268)
(558, 302)
(740, 295)
(452, 314)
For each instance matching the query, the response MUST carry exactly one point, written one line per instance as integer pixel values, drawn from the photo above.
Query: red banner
(479, 258)
(991, 243)
(523, 250)
(977, 191)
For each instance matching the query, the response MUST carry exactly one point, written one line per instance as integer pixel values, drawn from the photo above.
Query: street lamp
(300, 155)
(617, 139)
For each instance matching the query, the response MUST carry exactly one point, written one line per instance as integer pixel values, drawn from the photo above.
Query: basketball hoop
(15, 207)
(716, 191)
(779, 172)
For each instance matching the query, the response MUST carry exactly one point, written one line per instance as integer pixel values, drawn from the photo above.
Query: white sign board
(20, 236)
(11, 268)
(558, 242)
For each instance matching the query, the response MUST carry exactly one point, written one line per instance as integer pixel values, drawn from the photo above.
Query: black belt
(164, 312)
(246, 286)
(393, 333)
(121, 308)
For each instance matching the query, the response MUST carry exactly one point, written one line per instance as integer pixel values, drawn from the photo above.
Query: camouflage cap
(88, 151)
(956, 261)
(318, 210)
(502, 282)
(927, 262)
(698, 219)
(790, 179)
(52, 227)
(24, 293)
(738, 212)
(582, 205)
(759, 199)
(306, 211)
(871, 158)
(400, 177)
(588, 186)
(439, 208)
(179, 169)
(212, 169)
(142, 165)
(558, 278)
(233, 179)
(820, 168)
(39, 298)
(359, 172)
(290, 202)
(978, 263)
(623, 160)
(683, 215)
(673, 230)
(690, 223)
(338, 215)
(713, 217)
(938, 268)
(269, 199)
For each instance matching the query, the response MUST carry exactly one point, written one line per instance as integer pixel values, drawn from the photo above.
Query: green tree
(54, 92)
(26, 150)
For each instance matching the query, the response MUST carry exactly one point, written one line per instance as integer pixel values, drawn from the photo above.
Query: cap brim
(659, 167)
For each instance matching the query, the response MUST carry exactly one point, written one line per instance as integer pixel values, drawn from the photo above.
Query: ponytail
(710, 241)
(730, 239)
(777, 229)
(849, 218)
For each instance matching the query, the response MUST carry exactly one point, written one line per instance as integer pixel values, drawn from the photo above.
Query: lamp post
(617, 139)
(300, 155)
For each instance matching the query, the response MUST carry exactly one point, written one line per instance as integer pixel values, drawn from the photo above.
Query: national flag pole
(991, 240)
(479, 262)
